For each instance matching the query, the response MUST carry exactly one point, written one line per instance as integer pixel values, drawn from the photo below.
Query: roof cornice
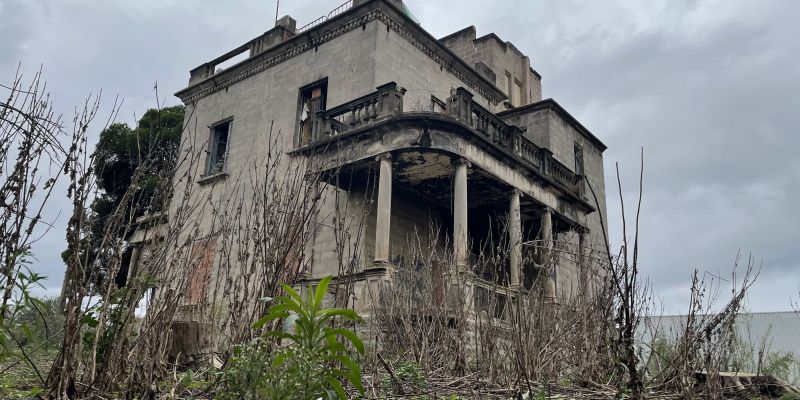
(381, 10)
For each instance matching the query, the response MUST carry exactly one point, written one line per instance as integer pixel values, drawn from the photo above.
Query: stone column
(547, 250)
(514, 238)
(460, 239)
(384, 212)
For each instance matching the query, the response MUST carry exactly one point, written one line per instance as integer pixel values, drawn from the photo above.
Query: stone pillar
(384, 211)
(514, 238)
(287, 22)
(547, 247)
(460, 239)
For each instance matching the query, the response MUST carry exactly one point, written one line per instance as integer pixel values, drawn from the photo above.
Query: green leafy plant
(309, 359)
(408, 372)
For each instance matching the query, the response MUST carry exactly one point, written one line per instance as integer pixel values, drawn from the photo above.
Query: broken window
(579, 160)
(203, 252)
(218, 147)
(312, 99)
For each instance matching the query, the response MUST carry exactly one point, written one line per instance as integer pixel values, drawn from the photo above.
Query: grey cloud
(710, 98)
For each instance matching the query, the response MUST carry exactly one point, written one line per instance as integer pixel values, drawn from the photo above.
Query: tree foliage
(120, 152)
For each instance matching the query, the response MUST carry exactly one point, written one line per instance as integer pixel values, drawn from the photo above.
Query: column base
(378, 264)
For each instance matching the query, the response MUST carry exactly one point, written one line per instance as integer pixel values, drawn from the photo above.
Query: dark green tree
(121, 150)
(152, 145)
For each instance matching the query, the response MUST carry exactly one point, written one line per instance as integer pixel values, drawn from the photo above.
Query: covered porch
(428, 208)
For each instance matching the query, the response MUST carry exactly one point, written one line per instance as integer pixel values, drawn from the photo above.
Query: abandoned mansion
(427, 143)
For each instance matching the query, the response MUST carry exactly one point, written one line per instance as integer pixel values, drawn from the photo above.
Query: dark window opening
(218, 148)
(579, 170)
(312, 100)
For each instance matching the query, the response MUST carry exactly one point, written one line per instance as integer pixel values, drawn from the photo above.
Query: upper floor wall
(499, 61)
(285, 41)
(357, 47)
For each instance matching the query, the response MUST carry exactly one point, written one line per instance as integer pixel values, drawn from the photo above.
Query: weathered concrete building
(411, 131)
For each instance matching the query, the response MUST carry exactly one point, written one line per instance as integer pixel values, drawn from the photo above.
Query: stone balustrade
(386, 101)
(512, 139)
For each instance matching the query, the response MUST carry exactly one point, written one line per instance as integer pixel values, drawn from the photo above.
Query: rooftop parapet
(283, 42)
(284, 29)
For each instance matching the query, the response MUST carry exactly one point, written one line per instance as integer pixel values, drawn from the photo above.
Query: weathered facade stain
(453, 131)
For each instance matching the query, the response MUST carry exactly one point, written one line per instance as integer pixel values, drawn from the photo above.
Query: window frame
(579, 160)
(211, 149)
(323, 82)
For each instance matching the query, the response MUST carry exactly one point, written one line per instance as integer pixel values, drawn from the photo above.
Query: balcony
(356, 119)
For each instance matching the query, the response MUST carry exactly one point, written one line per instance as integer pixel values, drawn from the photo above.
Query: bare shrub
(706, 343)
(469, 333)
(32, 159)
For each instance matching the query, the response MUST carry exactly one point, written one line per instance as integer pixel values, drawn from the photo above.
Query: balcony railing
(512, 139)
(387, 102)
(336, 11)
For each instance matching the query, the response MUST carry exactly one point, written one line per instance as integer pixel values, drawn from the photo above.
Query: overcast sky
(709, 89)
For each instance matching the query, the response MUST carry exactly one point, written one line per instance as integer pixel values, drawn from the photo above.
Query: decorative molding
(269, 59)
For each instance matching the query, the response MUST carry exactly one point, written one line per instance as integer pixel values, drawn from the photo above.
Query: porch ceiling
(429, 175)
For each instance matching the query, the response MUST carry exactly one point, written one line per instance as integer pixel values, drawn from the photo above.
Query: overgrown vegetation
(124, 157)
(308, 361)
(434, 330)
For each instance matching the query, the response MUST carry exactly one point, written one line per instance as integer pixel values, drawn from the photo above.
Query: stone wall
(546, 127)
(354, 63)
(510, 66)
(397, 60)
(269, 100)
(563, 138)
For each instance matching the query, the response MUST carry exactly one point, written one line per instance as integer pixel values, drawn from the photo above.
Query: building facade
(410, 132)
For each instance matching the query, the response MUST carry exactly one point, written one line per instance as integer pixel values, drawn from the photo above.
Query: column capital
(516, 192)
(547, 210)
(383, 156)
(462, 161)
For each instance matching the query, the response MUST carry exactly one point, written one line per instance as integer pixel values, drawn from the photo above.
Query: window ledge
(205, 180)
